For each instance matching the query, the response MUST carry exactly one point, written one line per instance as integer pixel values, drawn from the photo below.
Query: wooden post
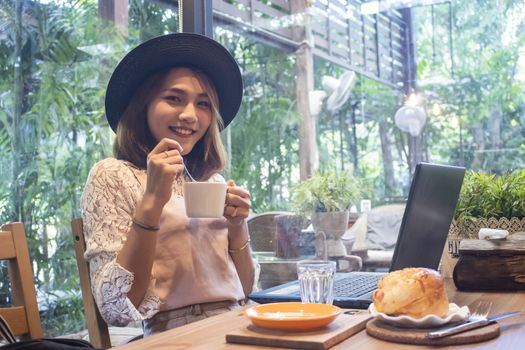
(409, 84)
(197, 17)
(115, 11)
(304, 70)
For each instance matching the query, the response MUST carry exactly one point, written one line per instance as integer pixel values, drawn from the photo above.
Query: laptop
(430, 208)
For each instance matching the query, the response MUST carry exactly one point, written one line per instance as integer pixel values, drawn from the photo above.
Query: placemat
(384, 331)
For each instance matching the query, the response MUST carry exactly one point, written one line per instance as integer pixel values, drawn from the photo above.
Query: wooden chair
(98, 330)
(97, 327)
(23, 317)
(374, 259)
(262, 230)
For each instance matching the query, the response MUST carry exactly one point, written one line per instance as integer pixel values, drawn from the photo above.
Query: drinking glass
(316, 281)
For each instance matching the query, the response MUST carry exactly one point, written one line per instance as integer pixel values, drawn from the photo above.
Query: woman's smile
(181, 132)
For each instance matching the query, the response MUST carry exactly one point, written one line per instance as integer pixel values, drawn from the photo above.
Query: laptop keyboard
(355, 285)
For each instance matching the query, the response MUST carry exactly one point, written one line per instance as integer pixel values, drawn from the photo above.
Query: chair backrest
(262, 229)
(22, 317)
(97, 327)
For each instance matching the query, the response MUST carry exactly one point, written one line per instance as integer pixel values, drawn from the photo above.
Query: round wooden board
(383, 331)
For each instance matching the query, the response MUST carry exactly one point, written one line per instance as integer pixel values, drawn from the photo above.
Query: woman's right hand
(164, 164)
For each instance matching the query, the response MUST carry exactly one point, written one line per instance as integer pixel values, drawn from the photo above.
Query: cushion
(382, 230)
(377, 229)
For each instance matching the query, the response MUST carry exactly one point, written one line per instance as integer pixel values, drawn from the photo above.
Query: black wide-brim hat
(175, 50)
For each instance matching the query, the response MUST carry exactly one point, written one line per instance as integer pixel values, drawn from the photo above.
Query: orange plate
(292, 316)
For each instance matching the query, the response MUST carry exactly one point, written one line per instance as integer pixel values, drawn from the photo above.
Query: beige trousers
(169, 319)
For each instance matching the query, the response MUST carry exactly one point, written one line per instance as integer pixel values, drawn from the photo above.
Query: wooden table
(209, 334)
(276, 271)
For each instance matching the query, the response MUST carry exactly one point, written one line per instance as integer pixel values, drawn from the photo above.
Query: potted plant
(486, 201)
(490, 201)
(327, 198)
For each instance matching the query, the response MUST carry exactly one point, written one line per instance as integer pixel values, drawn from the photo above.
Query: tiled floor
(118, 335)
(121, 335)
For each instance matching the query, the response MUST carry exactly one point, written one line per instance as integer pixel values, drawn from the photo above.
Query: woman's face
(181, 111)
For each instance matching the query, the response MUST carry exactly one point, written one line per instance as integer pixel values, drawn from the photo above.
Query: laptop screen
(430, 208)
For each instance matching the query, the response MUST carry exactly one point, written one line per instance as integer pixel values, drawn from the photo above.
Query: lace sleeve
(108, 203)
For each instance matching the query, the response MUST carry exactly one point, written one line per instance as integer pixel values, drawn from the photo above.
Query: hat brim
(175, 50)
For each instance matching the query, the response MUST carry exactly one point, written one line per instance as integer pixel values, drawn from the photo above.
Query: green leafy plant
(326, 192)
(486, 195)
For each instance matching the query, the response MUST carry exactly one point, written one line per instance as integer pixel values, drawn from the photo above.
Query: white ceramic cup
(204, 199)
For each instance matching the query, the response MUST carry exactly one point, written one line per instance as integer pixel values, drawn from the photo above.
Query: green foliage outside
(53, 129)
(263, 141)
(485, 195)
(481, 88)
(361, 137)
(327, 192)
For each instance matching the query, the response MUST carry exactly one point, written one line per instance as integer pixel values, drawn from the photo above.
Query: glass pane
(57, 57)
(5, 289)
(471, 111)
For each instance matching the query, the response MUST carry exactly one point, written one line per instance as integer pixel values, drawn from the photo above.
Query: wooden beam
(115, 11)
(304, 69)
(409, 63)
(409, 85)
(340, 32)
(197, 17)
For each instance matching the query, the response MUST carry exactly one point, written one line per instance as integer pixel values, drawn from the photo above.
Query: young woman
(167, 100)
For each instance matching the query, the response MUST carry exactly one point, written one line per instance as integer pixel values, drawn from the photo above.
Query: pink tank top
(192, 264)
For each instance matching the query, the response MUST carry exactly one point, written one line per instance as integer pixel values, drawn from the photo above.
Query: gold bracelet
(241, 248)
(144, 226)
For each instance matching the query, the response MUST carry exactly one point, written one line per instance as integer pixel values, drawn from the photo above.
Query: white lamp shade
(411, 119)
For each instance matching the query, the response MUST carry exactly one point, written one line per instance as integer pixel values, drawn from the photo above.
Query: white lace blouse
(179, 278)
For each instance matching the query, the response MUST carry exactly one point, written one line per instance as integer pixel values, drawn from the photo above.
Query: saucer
(292, 316)
(455, 314)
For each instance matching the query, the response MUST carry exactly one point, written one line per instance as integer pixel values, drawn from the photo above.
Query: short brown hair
(134, 140)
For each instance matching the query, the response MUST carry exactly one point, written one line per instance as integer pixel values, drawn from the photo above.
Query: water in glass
(316, 281)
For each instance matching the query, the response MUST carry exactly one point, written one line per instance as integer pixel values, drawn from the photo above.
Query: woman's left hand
(237, 206)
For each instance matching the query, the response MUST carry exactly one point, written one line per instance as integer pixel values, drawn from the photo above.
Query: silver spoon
(187, 172)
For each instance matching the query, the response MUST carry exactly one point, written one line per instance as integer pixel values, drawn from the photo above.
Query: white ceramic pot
(331, 226)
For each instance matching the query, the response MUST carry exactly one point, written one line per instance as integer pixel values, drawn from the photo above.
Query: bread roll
(415, 292)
